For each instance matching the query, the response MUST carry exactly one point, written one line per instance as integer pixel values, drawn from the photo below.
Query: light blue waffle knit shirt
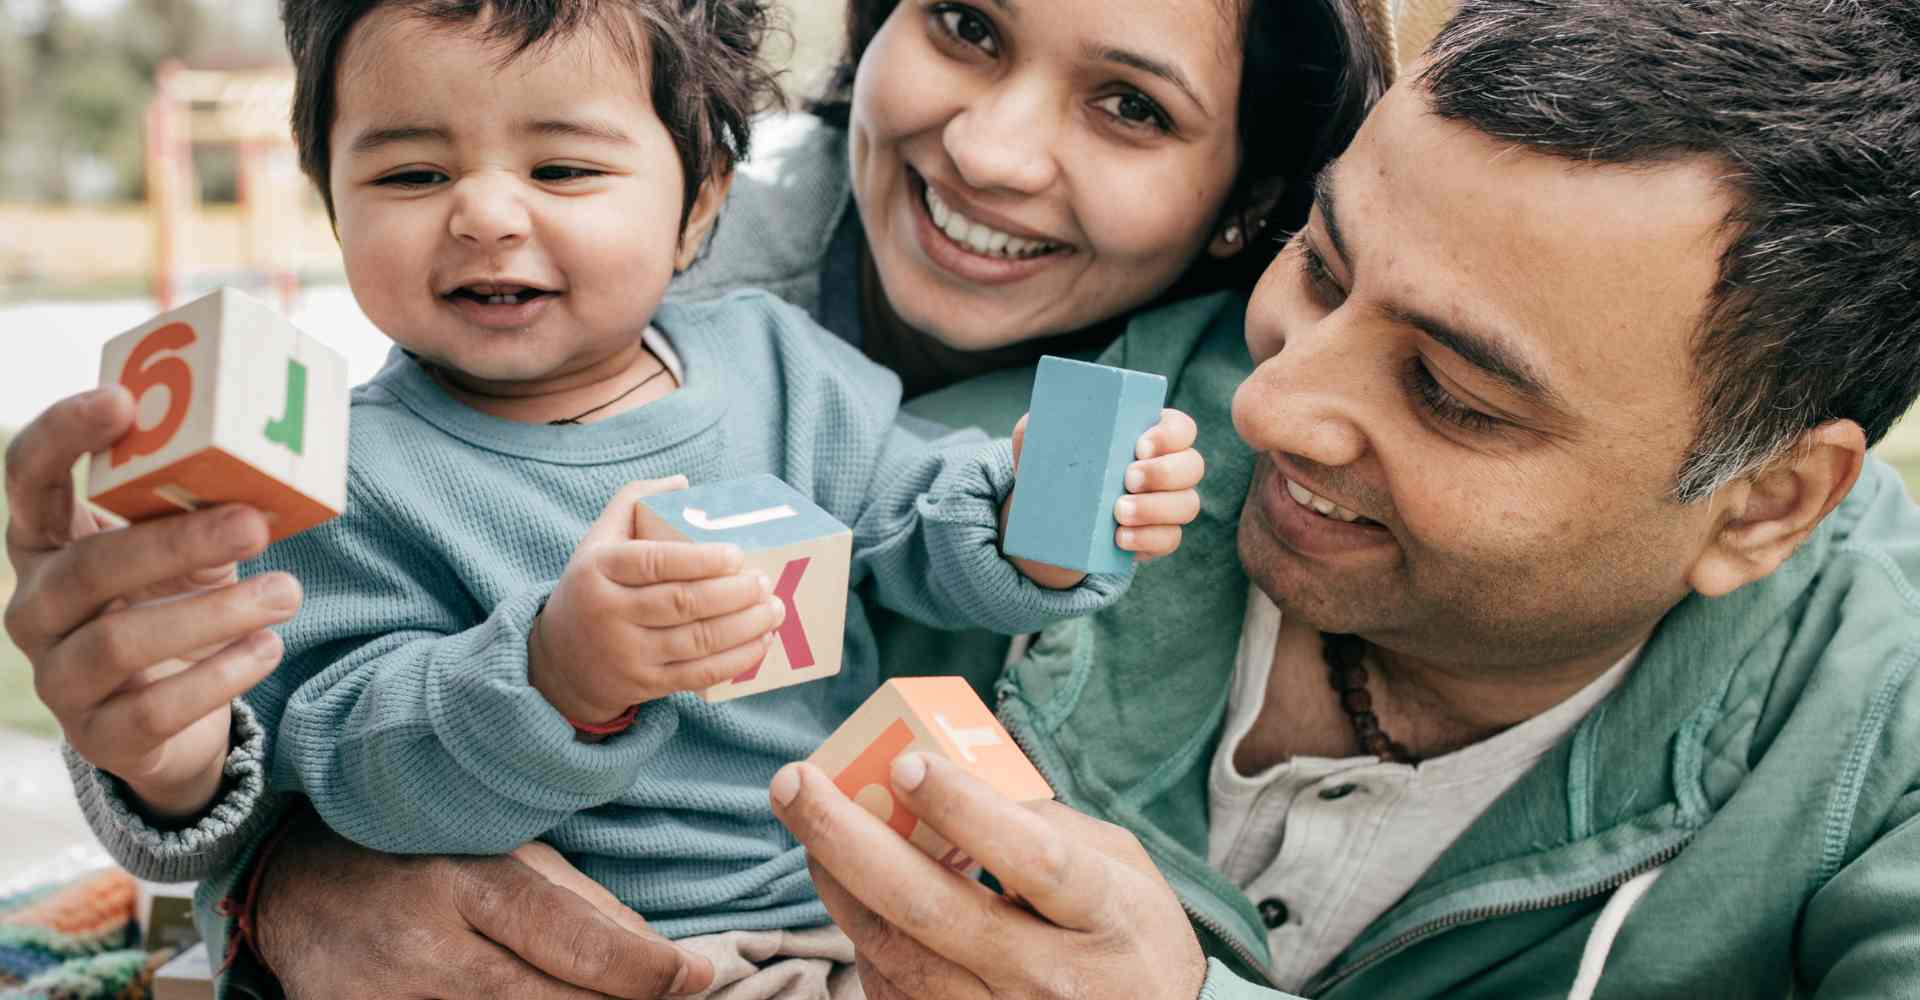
(403, 711)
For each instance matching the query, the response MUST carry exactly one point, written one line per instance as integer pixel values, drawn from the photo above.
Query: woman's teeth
(1319, 504)
(980, 238)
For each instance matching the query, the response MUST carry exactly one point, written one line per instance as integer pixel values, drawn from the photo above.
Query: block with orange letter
(234, 404)
(938, 715)
(804, 550)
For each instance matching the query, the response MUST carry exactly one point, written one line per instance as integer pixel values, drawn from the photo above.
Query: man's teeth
(980, 238)
(1319, 504)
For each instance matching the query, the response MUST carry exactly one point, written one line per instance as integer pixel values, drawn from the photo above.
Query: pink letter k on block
(793, 634)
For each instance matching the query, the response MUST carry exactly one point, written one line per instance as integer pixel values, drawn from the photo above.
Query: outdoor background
(77, 253)
(77, 247)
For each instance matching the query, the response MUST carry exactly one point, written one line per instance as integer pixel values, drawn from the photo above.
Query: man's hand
(1086, 914)
(139, 637)
(637, 619)
(335, 920)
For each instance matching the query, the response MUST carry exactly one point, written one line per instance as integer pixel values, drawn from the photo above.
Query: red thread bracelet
(617, 724)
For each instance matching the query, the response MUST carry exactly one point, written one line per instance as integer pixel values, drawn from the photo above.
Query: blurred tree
(75, 79)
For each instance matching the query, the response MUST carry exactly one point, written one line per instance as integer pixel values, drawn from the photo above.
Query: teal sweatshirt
(1763, 756)
(403, 711)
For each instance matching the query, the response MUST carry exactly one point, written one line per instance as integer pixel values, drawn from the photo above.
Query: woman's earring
(1231, 236)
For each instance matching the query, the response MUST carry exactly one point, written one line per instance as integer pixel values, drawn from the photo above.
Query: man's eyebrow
(371, 139)
(578, 128)
(1486, 353)
(1149, 65)
(1323, 200)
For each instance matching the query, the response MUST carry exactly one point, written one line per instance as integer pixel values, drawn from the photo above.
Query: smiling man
(1573, 639)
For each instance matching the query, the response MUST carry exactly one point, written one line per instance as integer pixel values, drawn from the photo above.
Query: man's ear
(1245, 222)
(1769, 513)
(706, 211)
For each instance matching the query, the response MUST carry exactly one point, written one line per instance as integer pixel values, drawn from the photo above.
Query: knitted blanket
(75, 940)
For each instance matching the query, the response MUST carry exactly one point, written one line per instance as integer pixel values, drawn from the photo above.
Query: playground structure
(246, 110)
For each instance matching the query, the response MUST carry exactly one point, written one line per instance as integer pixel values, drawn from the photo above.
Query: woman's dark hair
(1310, 74)
(707, 81)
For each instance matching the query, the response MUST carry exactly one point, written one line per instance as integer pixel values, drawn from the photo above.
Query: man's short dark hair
(1812, 110)
(706, 80)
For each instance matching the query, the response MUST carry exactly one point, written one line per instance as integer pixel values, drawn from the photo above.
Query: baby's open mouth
(498, 295)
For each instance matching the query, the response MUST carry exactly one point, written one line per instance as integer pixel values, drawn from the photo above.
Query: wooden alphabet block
(235, 405)
(804, 550)
(1082, 426)
(935, 715)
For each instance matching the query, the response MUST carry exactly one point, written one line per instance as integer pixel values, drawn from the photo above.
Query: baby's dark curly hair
(703, 56)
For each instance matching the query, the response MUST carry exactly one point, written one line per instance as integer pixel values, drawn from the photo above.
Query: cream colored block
(940, 715)
(235, 405)
(805, 551)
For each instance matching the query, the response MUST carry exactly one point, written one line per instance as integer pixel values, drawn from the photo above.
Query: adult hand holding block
(804, 550)
(1082, 427)
(235, 405)
(938, 715)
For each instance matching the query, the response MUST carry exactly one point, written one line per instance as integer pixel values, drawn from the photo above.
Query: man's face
(1482, 352)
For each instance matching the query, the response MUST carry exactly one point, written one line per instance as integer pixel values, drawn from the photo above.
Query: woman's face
(1033, 167)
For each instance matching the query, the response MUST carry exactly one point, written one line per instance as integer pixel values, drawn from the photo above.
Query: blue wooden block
(1082, 426)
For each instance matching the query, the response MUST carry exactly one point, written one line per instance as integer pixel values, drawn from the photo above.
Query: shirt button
(1338, 791)
(1273, 912)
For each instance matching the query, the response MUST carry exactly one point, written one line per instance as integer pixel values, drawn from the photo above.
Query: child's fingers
(638, 564)
(1181, 470)
(1175, 432)
(1147, 509)
(1019, 439)
(705, 672)
(712, 635)
(663, 605)
(1155, 540)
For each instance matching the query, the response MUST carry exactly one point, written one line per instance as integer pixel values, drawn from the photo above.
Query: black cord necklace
(566, 421)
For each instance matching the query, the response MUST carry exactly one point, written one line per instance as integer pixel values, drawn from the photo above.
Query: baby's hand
(634, 619)
(1161, 496)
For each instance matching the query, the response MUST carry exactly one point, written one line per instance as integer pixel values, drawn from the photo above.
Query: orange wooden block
(938, 715)
(234, 405)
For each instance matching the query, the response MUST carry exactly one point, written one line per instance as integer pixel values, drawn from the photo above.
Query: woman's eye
(1135, 109)
(969, 27)
(554, 173)
(412, 179)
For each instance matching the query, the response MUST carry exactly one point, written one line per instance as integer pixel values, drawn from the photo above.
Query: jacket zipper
(1415, 935)
(1214, 927)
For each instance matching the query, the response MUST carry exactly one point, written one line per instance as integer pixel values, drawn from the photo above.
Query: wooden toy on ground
(804, 550)
(234, 405)
(939, 715)
(1082, 427)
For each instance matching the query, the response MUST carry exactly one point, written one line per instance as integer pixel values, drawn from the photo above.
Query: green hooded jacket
(1763, 758)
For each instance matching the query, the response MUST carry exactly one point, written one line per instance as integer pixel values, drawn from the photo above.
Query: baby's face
(514, 222)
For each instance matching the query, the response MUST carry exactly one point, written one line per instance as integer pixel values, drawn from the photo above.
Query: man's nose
(1005, 138)
(488, 211)
(1310, 398)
